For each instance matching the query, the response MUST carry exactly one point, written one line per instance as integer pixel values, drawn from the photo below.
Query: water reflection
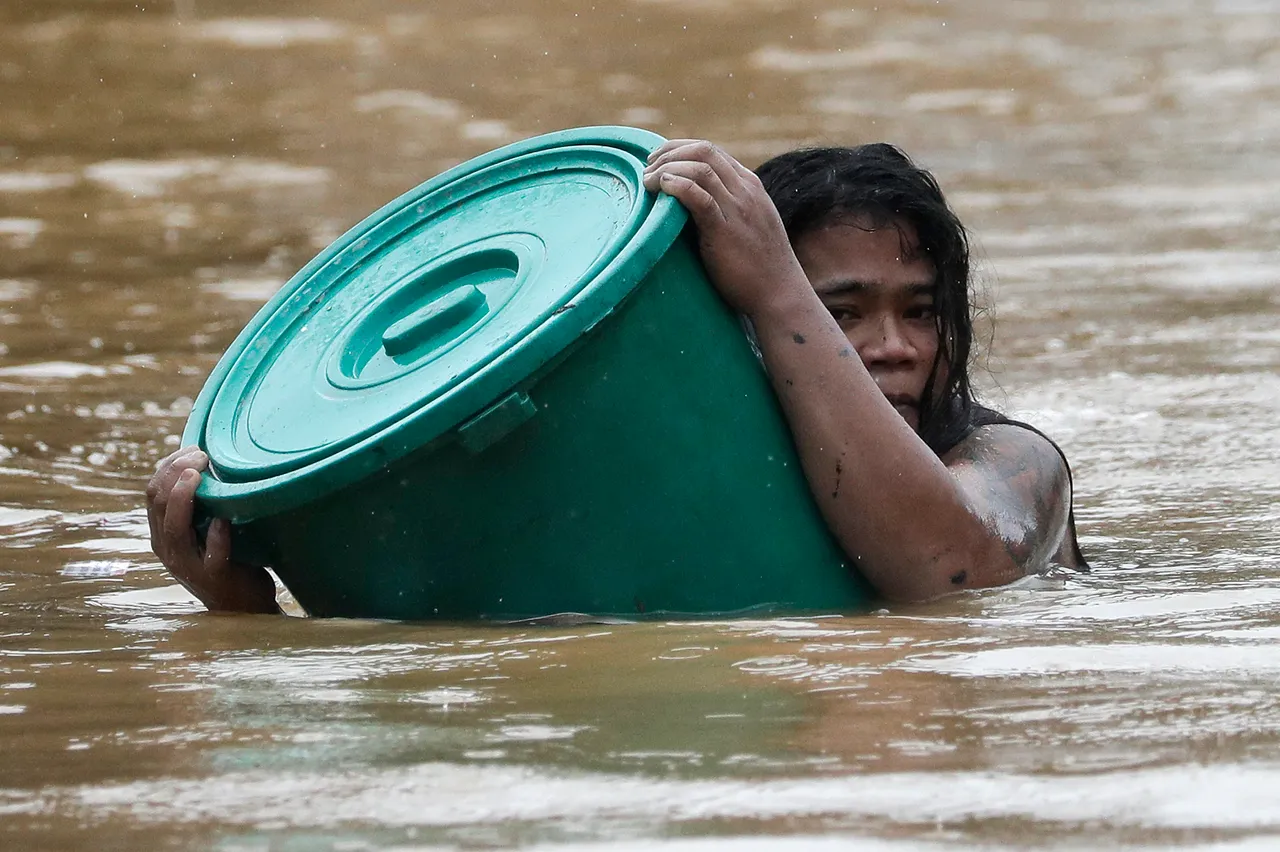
(918, 734)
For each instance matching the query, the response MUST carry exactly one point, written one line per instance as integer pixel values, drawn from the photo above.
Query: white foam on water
(53, 370)
(264, 33)
(244, 289)
(162, 600)
(773, 58)
(151, 178)
(20, 182)
(18, 227)
(20, 233)
(147, 177)
(110, 545)
(12, 289)
(491, 130)
(251, 174)
(1133, 608)
(794, 843)
(991, 102)
(13, 516)
(1227, 796)
(145, 624)
(1236, 661)
(536, 733)
(446, 696)
(409, 101)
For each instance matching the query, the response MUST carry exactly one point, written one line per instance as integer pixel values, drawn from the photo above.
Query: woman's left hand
(209, 573)
(742, 240)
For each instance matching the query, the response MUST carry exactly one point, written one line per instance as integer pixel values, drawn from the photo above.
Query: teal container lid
(427, 312)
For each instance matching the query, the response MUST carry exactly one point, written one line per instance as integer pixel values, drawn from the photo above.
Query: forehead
(884, 259)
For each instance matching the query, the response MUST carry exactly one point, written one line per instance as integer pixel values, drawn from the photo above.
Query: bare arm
(915, 528)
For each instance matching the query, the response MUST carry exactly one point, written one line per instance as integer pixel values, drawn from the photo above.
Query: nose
(888, 344)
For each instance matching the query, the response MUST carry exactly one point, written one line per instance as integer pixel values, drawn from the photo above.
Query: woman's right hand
(741, 237)
(221, 584)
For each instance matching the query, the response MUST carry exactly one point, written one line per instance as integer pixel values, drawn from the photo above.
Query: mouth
(901, 400)
(905, 404)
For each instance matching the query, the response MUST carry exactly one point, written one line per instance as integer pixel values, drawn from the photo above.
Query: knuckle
(704, 149)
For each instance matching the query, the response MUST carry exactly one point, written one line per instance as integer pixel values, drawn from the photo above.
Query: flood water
(164, 168)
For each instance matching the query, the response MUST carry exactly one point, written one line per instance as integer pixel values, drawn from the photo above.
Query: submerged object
(512, 392)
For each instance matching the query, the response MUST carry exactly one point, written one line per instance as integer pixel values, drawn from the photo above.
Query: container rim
(244, 501)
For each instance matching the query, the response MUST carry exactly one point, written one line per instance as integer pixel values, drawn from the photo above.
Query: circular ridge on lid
(429, 309)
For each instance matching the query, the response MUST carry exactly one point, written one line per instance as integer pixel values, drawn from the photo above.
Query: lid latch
(496, 422)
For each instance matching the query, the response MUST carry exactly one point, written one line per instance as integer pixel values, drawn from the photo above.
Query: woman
(854, 274)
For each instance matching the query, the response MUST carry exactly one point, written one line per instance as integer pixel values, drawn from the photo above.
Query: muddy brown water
(165, 166)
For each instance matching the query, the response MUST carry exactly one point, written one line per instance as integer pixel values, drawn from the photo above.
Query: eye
(921, 312)
(844, 313)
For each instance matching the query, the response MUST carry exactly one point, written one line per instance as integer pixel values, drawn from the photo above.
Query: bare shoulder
(1012, 454)
(1018, 483)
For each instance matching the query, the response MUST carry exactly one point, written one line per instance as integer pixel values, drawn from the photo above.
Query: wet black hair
(879, 184)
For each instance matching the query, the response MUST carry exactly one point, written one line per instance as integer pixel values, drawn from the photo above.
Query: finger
(178, 538)
(155, 503)
(670, 145)
(160, 488)
(217, 547)
(745, 173)
(164, 468)
(197, 462)
(697, 200)
(701, 151)
(704, 176)
(171, 468)
(674, 144)
(155, 520)
(700, 174)
(234, 587)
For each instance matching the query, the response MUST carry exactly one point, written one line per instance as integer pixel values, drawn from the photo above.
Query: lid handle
(436, 317)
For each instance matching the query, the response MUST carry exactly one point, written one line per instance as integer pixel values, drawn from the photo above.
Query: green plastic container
(512, 392)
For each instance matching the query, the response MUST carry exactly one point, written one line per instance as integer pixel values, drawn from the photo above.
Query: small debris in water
(95, 569)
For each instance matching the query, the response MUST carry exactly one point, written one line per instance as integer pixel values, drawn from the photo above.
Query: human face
(879, 288)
